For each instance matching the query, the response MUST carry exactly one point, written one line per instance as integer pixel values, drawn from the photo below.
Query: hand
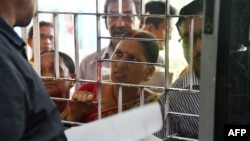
(83, 102)
(82, 105)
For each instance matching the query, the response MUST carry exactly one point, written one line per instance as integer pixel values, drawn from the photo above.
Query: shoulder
(93, 56)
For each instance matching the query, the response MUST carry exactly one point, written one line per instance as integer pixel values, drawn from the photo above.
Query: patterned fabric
(181, 101)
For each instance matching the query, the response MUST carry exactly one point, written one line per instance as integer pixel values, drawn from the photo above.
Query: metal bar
(129, 38)
(98, 33)
(36, 45)
(184, 114)
(120, 14)
(180, 138)
(167, 24)
(191, 48)
(56, 45)
(207, 82)
(119, 6)
(119, 99)
(132, 62)
(76, 41)
(142, 94)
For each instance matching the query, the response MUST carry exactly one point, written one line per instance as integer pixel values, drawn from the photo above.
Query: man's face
(160, 31)
(46, 38)
(117, 25)
(197, 41)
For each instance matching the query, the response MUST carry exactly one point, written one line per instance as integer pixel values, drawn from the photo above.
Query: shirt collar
(12, 36)
(107, 52)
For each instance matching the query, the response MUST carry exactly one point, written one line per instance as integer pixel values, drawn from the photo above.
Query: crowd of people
(133, 60)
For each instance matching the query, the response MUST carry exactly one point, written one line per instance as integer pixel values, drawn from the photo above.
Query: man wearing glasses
(187, 100)
(46, 38)
(117, 25)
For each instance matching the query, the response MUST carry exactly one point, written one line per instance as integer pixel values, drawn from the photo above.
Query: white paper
(132, 125)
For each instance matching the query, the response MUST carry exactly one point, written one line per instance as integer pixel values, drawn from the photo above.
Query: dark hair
(157, 7)
(41, 24)
(66, 58)
(150, 46)
(193, 8)
(107, 2)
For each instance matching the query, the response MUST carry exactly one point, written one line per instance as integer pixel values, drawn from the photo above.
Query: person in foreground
(185, 101)
(58, 88)
(27, 112)
(83, 108)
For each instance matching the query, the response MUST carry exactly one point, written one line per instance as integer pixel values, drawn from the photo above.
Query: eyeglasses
(44, 37)
(185, 38)
(126, 18)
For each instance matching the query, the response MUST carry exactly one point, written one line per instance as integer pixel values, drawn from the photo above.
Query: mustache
(121, 30)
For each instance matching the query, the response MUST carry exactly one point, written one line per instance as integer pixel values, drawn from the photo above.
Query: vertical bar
(120, 6)
(24, 37)
(24, 33)
(36, 45)
(166, 119)
(56, 43)
(207, 81)
(142, 94)
(167, 13)
(76, 35)
(142, 7)
(98, 34)
(166, 65)
(119, 99)
(191, 47)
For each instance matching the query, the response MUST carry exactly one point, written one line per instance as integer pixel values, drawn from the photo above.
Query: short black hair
(66, 58)
(157, 7)
(41, 24)
(192, 8)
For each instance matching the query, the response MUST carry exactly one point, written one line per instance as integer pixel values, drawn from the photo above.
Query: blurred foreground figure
(26, 111)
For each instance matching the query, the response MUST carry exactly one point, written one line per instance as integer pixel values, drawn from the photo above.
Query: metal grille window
(100, 39)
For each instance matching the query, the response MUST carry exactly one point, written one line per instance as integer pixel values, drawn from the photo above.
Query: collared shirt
(27, 112)
(181, 101)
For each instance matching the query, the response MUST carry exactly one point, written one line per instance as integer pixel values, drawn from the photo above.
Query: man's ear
(149, 27)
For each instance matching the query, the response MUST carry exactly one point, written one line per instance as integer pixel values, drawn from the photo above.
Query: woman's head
(57, 88)
(142, 49)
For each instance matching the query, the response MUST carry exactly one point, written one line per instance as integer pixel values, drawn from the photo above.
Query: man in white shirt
(117, 25)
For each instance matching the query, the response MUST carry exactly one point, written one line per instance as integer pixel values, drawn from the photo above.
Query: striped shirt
(181, 101)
